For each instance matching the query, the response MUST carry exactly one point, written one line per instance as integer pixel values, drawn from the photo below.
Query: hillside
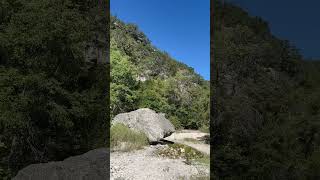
(143, 76)
(53, 94)
(265, 115)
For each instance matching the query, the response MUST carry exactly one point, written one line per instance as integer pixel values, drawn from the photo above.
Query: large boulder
(91, 165)
(155, 126)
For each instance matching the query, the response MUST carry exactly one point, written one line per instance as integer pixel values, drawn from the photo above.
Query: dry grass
(124, 139)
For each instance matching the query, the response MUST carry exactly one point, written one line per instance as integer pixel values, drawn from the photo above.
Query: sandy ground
(181, 136)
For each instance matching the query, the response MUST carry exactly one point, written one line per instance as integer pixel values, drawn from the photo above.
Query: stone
(91, 165)
(155, 125)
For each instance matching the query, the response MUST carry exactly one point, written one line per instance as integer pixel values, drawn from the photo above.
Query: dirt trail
(192, 138)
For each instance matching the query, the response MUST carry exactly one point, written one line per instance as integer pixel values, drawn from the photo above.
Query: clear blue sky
(295, 20)
(179, 27)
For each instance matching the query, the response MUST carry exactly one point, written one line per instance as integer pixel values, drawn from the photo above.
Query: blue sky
(179, 27)
(294, 20)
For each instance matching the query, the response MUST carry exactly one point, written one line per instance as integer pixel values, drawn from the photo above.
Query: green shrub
(177, 151)
(124, 139)
(205, 160)
(175, 121)
(191, 155)
(205, 129)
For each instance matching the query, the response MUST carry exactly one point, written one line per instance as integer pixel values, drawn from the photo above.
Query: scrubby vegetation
(266, 111)
(123, 138)
(53, 104)
(142, 76)
(191, 155)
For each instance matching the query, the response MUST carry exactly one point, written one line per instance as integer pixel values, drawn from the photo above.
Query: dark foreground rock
(91, 165)
(155, 125)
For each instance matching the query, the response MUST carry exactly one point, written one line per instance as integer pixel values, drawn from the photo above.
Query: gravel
(145, 164)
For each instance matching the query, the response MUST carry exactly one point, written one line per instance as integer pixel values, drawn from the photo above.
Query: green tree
(153, 95)
(123, 84)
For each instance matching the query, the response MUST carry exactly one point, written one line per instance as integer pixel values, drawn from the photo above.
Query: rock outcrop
(155, 126)
(91, 165)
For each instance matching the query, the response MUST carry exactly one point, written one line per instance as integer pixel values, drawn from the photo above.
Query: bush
(175, 121)
(205, 129)
(177, 151)
(124, 139)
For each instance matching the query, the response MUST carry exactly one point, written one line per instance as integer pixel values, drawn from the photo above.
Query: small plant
(179, 151)
(124, 139)
(205, 160)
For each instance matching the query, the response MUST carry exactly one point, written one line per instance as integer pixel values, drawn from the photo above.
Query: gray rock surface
(154, 125)
(91, 165)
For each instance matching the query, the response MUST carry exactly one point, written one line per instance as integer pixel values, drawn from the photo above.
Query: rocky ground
(147, 164)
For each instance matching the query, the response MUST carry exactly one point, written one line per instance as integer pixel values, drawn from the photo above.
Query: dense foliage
(53, 104)
(144, 77)
(266, 110)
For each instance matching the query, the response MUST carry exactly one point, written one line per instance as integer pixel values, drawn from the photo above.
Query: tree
(123, 84)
